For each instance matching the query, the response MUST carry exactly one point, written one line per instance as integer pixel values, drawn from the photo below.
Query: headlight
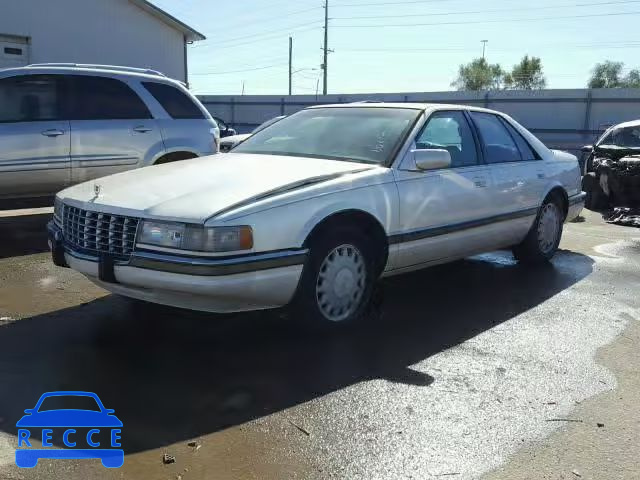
(57, 211)
(194, 237)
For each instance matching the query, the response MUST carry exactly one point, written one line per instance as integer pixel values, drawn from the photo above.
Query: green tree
(527, 75)
(609, 75)
(632, 80)
(479, 75)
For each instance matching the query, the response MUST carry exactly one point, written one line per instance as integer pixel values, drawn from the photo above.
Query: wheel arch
(370, 224)
(559, 192)
(175, 155)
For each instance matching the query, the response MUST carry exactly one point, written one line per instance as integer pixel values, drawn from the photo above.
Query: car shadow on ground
(177, 375)
(23, 235)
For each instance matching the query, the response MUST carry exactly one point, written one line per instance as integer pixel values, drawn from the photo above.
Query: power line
(253, 35)
(408, 2)
(271, 37)
(381, 25)
(241, 71)
(268, 19)
(401, 50)
(497, 10)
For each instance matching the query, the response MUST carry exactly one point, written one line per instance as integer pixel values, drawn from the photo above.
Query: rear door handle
(53, 132)
(480, 182)
(141, 129)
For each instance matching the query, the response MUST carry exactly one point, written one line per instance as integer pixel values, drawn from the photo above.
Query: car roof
(632, 123)
(111, 71)
(406, 105)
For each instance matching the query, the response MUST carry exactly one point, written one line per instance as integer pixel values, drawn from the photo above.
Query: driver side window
(449, 131)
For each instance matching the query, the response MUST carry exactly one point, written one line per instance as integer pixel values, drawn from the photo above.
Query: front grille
(94, 233)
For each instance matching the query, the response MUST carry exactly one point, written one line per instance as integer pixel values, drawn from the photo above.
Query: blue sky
(404, 45)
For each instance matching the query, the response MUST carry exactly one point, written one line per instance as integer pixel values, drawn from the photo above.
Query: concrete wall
(113, 32)
(563, 119)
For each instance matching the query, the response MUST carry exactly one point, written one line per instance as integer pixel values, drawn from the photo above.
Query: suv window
(525, 149)
(29, 98)
(450, 131)
(102, 98)
(176, 103)
(499, 146)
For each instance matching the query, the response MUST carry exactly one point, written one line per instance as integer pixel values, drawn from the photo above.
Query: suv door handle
(541, 175)
(53, 132)
(141, 129)
(479, 182)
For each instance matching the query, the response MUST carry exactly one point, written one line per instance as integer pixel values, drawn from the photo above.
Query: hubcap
(340, 283)
(548, 227)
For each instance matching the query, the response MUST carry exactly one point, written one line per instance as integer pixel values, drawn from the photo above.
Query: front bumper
(218, 284)
(576, 204)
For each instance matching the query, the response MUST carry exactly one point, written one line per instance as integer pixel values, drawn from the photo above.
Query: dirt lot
(482, 368)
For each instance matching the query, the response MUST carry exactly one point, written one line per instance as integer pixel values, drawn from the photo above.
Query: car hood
(194, 190)
(69, 418)
(235, 138)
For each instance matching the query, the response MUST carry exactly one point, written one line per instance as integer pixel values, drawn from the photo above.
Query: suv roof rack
(113, 68)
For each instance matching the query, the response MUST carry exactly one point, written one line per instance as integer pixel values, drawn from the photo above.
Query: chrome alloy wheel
(341, 282)
(548, 227)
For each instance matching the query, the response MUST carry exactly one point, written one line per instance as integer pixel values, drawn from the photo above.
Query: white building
(133, 33)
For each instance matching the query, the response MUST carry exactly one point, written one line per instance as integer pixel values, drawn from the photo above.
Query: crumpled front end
(614, 189)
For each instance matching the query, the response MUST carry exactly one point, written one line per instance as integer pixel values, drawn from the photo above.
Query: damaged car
(612, 174)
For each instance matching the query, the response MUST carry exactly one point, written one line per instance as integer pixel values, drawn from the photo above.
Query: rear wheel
(338, 280)
(541, 243)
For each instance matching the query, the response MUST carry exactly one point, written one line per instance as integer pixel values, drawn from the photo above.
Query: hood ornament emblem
(96, 189)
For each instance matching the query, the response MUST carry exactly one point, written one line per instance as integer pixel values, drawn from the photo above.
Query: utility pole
(326, 46)
(290, 62)
(484, 47)
(242, 87)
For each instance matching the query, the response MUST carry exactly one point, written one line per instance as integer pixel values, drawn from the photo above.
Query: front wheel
(338, 280)
(541, 243)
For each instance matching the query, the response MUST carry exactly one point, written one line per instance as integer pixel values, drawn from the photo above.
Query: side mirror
(29, 411)
(109, 411)
(587, 149)
(431, 159)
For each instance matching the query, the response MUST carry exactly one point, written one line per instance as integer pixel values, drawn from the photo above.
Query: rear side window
(499, 146)
(525, 149)
(30, 98)
(101, 98)
(176, 103)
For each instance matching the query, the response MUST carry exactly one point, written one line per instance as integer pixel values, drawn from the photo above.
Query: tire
(596, 200)
(541, 243)
(338, 281)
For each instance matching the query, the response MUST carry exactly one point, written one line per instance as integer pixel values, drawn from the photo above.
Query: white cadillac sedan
(312, 210)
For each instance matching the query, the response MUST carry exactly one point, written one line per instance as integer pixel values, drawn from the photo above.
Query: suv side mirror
(587, 149)
(431, 159)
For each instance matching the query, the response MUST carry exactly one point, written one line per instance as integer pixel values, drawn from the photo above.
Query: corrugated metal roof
(190, 34)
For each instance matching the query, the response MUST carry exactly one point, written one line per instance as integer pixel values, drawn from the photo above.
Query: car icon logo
(91, 431)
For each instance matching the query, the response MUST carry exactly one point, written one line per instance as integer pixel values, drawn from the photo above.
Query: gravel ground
(482, 368)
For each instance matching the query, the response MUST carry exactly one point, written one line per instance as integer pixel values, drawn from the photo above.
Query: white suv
(62, 124)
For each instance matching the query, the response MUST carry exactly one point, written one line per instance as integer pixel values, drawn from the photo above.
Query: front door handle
(141, 129)
(53, 132)
(541, 175)
(480, 182)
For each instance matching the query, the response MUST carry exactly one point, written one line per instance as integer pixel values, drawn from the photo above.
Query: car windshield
(627, 137)
(356, 134)
(264, 125)
(69, 402)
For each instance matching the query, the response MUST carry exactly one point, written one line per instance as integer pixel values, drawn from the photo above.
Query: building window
(12, 51)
